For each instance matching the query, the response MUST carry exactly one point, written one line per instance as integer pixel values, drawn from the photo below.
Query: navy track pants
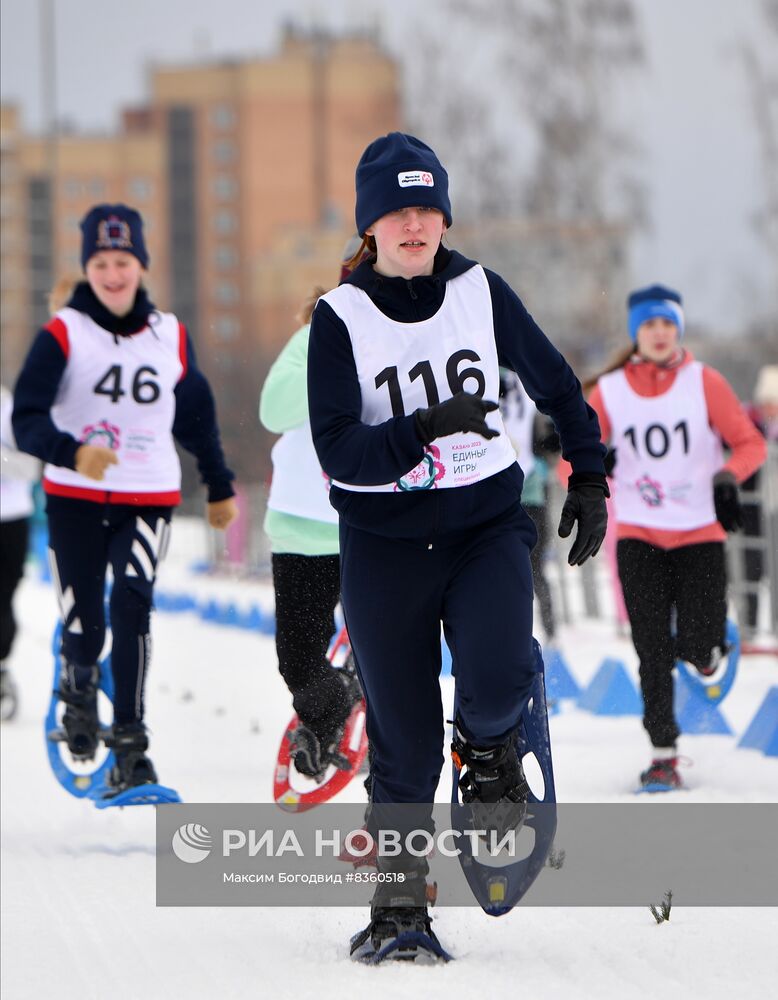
(395, 594)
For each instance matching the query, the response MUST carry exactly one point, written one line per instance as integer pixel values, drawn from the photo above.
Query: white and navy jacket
(130, 383)
(367, 453)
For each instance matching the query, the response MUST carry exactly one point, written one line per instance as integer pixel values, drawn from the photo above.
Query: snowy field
(78, 885)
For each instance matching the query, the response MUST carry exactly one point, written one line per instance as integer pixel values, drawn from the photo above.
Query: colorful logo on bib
(425, 475)
(104, 435)
(651, 491)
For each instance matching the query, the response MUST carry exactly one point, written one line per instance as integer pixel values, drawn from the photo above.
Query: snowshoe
(398, 933)
(400, 924)
(73, 772)
(132, 781)
(661, 776)
(501, 883)
(712, 680)
(131, 767)
(310, 770)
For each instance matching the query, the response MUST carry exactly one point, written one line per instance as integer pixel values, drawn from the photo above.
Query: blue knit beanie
(399, 171)
(113, 227)
(656, 300)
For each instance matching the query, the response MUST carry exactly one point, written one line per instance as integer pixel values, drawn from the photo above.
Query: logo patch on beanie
(113, 234)
(415, 178)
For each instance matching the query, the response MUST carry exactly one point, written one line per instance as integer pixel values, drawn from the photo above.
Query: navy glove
(586, 505)
(609, 462)
(726, 501)
(463, 412)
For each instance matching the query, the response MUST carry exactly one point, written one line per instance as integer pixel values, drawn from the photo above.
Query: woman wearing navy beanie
(403, 381)
(667, 418)
(108, 385)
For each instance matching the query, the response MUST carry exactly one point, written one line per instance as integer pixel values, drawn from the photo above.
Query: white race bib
(666, 452)
(406, 366)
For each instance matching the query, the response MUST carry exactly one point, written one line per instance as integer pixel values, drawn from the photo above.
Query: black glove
(729, 513)
(585, 504)
(609, 462)
(463, 412)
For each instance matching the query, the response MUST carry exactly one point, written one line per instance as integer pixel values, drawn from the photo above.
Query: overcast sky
(691, 109)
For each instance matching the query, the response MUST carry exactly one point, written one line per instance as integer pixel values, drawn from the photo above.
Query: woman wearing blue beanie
(403, 381)
(666, 418)
(107, 386)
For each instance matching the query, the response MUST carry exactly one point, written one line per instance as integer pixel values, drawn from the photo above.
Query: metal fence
(752, 559)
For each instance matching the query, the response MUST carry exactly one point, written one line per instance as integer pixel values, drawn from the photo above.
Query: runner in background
(667, 419)
(303, 531)
(18, 473)
(107, 386)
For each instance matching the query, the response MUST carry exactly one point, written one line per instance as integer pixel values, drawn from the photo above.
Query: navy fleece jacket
(358, 453)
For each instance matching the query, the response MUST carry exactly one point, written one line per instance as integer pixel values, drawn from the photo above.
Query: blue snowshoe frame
(92, 784)
(78, 783)
(426, 945)
(498, 888)
(714, 692)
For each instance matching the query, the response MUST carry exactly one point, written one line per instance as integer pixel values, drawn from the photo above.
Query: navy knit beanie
(656, 300)
(399, 171)
(113, 227)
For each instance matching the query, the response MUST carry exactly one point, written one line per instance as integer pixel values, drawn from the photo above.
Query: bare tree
(762, 78)
(548, 141)
(544, 148)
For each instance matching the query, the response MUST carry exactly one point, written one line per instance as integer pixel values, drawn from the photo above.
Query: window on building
(225, 258)
(139, 188)
(225, 187)
(223, 116)
(225, 222)
(227, 293)
(227, 328)
(224, 151)
(97, 187)
(72, 188)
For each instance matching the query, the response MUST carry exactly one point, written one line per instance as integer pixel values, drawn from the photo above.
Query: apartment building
(241, 169)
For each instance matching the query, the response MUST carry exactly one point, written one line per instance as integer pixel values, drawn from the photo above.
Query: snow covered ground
(78, 885)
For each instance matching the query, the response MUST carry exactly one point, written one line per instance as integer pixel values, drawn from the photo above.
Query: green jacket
(283, 405)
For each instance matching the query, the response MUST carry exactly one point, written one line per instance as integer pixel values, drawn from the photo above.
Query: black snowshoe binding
(80, 722)
(493, 784)
(313, 752)
(129, 743)
(400, 925)
(313, 756)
